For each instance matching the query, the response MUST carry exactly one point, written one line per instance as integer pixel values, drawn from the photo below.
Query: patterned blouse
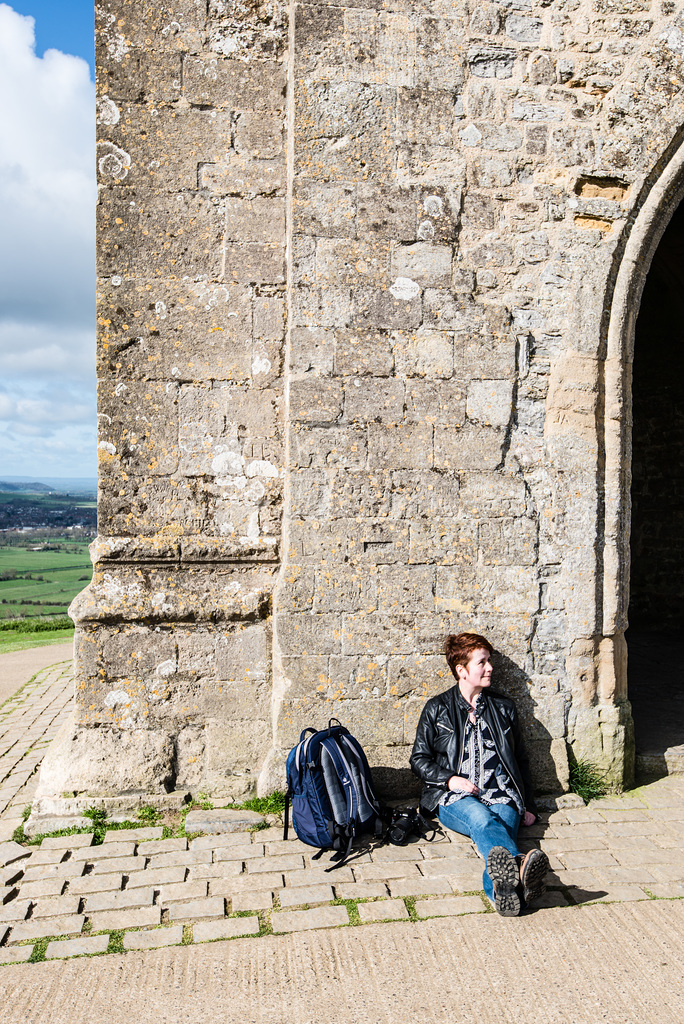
(481, 764)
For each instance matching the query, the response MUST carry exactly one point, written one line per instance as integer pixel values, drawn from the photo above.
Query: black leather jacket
(438, 749)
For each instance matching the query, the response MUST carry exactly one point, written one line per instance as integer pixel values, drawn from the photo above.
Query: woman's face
(478, 671)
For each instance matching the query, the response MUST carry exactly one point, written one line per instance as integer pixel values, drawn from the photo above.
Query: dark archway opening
(656, 611)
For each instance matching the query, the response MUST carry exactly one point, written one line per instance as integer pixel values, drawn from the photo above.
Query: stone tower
(368, 281)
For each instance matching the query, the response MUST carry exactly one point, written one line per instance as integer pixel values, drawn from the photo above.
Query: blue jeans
(486, 826)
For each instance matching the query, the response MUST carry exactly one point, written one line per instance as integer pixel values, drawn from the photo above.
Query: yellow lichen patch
(587, 222)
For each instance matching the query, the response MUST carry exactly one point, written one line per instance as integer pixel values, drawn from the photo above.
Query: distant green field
(44, 582)
(23, 641)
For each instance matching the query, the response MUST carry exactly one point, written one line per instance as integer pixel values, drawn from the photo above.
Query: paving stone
(11, 852)
(287, 846)
(183, 891)
(559, 846)
(383, 910)
(670, 890)
(149, 849)
(16, 955)
(239, 852)
(66, 870)
(245, 883)
(448, 852)
(360, 890)
(318, 876)
(254, 900)
(213, 906)
(589, 830)
(275, 834)
(15, 910)
(46, 857)
(11, 874)
(43, 887)
(218, 821)
(419, 886)
(139, 917)
(172, 936)
(76, 947)
(156, 877)
(224, 869)
(327, 859)
(624, 814)
(229, 928)
(219, 842)
(68, 842)
(450, 907)
(107, 851)
(176, 857)
(270, 864)
(551, 898)
(126, 865)
(375, 872)
(306, 894)
(122, 900)
(667, 872)
(615, 894)
(393, 853)
(136, 834)
(617, 803)
(57, 906)
(588, 859)
(38, 929)
(625, 875)
(94, 883)
(448, 866)
(303, 920)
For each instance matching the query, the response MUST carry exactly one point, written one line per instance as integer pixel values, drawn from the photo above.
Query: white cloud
(47, 253)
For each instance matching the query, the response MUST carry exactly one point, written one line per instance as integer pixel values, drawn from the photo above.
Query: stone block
(230, 928)
(424, 262)
(38, 929)
(137, 835)
(156, 877)
(96, 883)
(360, 890)
(253, 900)
(18, 955)
(316, 401)
(472, 447)
(191, 890)
(39, 857)
(219, 842)
(233, 85)
(126, 865)
(386, 871)
(46, 871)
(246, 883)
(419, 886)
(319, 876)
(245, 852)
(213, 906)
(402, 446)
(178, 858)
(224, 869)
(12, 852)
(508, 541)
(66, 842)
(314, 447)
(45, 887)
(306, 894)
(133, 917)
(170, 936)
(490, 402)
(304, 920)
(324, 210)
(451, 907)
(15, 910)
(444, 542)
(363, 353)
(379, 402)
(162, 846)
(77, 947)
(424, 354)
(256, 220)
(137, 897)
(268, 865)
(57, 906)
(383, 910)
(104, 852)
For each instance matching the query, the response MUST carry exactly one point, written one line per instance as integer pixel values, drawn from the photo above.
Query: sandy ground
(20, 666)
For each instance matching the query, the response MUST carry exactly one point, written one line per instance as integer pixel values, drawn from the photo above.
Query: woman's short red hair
(459, 648)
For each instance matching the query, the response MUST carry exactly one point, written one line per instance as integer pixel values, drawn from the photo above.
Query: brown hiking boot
(533, 868)
(503, 871)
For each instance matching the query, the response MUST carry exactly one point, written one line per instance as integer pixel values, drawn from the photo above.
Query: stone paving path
(139, 891)
(29, 720)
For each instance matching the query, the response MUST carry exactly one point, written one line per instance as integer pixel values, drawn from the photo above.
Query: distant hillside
(32, 488)
(74, 485)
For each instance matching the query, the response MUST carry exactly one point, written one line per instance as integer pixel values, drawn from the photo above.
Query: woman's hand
(529, 818)
(457, 782)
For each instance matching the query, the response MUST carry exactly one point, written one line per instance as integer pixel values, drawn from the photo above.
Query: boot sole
(503, 871)
(532, 875)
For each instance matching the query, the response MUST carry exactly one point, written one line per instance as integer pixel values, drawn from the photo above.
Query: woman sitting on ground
(471, 759)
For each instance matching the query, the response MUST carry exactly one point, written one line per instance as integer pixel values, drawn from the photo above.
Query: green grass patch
(274, 803)
(587, 780)
(116, 942)
(10, 642)
(100, 826)
(38, 953)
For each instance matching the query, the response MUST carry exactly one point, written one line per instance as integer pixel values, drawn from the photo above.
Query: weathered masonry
(368, 283)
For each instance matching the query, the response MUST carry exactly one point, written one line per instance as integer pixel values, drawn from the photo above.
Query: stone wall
(356, 275)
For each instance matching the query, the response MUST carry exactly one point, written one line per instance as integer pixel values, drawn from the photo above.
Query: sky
(47, 239)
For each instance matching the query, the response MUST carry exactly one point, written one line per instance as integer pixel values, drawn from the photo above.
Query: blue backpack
(330, 790)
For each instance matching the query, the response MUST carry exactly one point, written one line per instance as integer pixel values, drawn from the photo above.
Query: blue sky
(47, 250)
(66, 25)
